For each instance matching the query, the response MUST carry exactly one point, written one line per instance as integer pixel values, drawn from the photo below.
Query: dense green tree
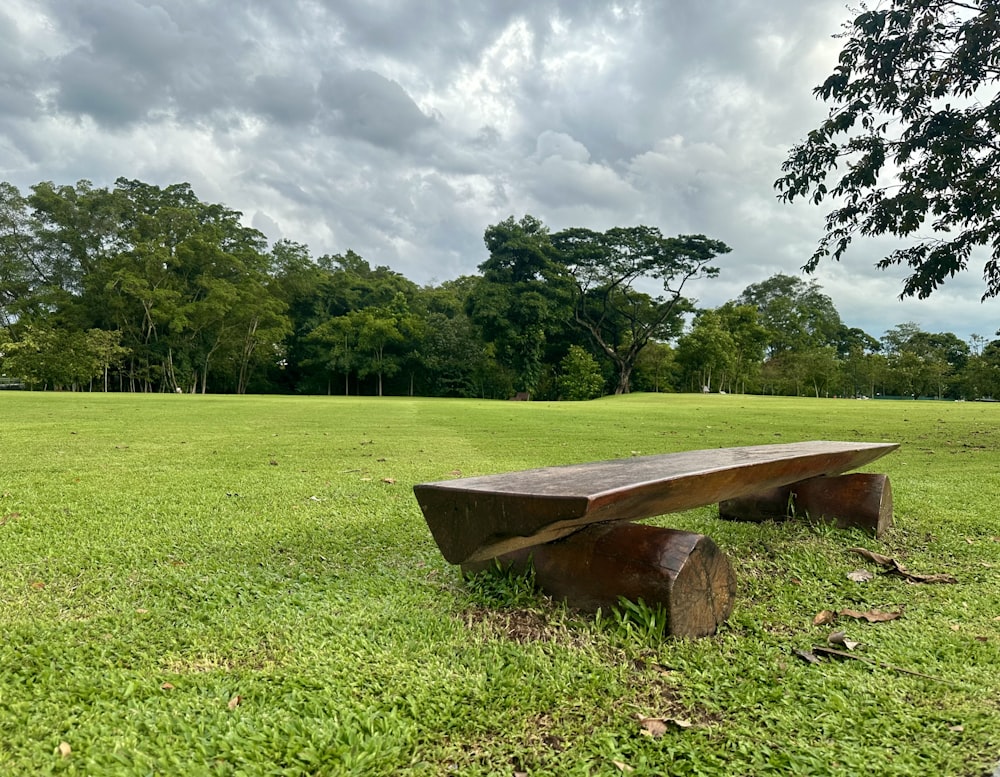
(656, 368)
(579, 375)
(60, 358)
(750, 338)
(606, 267)
(797, 315)
(817, 367)
(921, 363)
(861, 370)
(522, 299)
(706, 352)
(911, 146)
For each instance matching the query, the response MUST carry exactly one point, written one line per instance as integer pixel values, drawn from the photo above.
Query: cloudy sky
(403, 129)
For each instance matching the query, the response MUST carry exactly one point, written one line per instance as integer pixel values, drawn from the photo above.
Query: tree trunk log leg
(593, 568)
(854, 501)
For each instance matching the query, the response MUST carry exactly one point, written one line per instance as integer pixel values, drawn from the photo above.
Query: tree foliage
(796, 314)
(146, 288)
(522, 298)
(911, 146)
(606, 269)
(579, 375)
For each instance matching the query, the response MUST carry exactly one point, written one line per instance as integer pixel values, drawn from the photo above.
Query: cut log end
(685, 573)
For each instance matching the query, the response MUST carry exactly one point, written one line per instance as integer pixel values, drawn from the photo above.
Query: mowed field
(245, 585)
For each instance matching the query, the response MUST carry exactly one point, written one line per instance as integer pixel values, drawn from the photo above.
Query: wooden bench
(572, 523)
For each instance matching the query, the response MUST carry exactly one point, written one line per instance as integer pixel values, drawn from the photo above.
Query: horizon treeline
(148, 289)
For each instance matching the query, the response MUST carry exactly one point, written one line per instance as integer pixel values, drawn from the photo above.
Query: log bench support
(573, 525)
(855, 501)
(591, 570)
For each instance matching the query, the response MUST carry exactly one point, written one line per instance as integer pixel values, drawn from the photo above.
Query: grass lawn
(245, 585)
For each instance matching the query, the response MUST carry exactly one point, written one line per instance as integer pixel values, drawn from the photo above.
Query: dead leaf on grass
(834, 653)
(65, 750)
(875, 558)
(235, 702)
(957, 729)
(872, 616)
(807, 655)
(893, 567)
(390, 481)
(9, 517)
(167, 687)
(914, 577)
(860, 575)
(657, 727)
(824, 617)
(840, 638)
(622, 766)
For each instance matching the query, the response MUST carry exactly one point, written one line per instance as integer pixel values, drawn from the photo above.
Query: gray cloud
(365, 105)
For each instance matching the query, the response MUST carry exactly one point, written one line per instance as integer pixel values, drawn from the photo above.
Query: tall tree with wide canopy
(607, 266)
(911, 146)
(796, 314)
(522, 298)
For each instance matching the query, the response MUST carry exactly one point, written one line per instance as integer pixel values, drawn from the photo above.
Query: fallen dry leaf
(657, 727)
(955, 627)
(914, 577)
(235, 702)
(9, 517)
(834, 653)
(65, 750)
(622, 766)
(390, 481)
(872, 616)
(653, 727)
(860, 575)
(839, 638)
(806, 655)
(167, 687)
(957, 729)
(875, 558)
(824, 617)
(38, 585)
(893, 567)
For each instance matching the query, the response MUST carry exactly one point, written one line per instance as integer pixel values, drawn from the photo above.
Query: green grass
(243, 585)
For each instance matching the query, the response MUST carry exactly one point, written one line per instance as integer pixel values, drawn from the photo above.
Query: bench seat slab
(478, 518)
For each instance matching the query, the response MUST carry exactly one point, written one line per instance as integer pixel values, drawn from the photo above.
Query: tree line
(141, 288)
